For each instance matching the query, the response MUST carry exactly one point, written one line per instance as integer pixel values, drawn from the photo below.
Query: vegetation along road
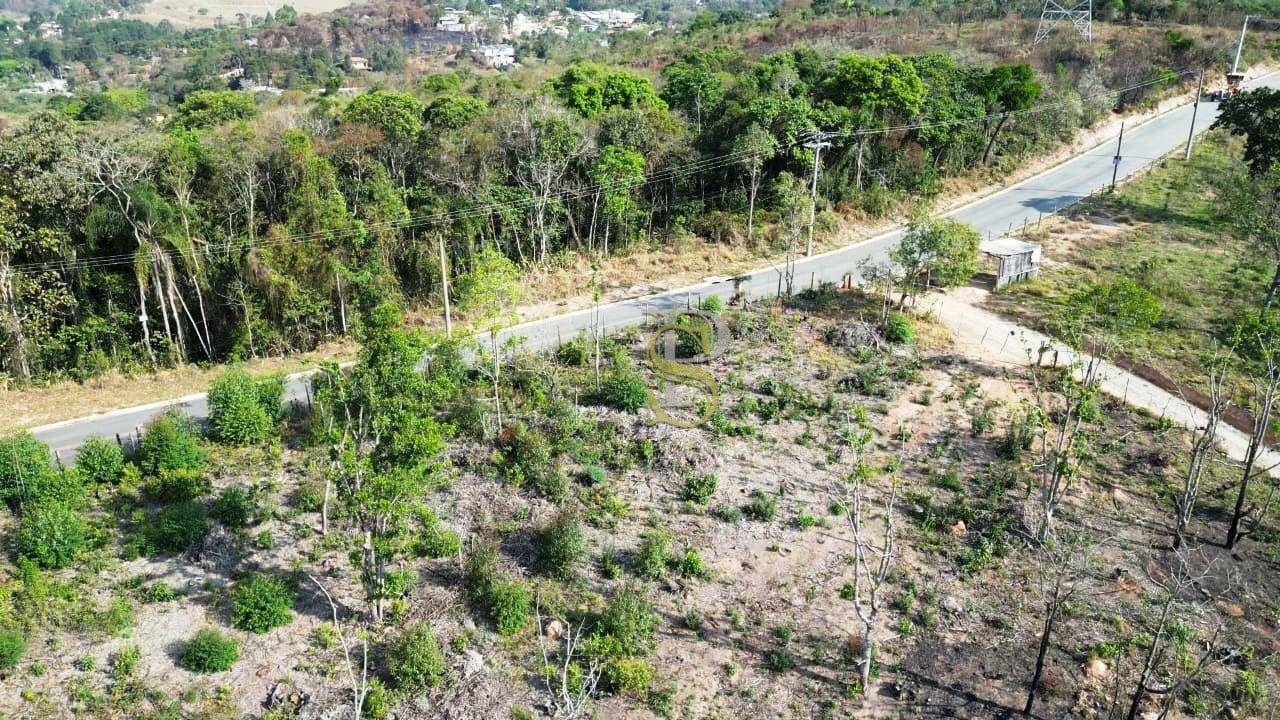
(993, 215)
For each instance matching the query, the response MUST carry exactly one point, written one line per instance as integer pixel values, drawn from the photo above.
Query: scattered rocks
(285, 696)
(959, 529)
(555, 630)
(472, 663)
(953, 605)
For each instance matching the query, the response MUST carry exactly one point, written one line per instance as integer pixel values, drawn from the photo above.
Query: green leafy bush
(713, 304)
(51, 534)
(624, 389)
(627, 676)
(416, 661)
(123, 663)
(170, 443)
(12, 647)
(691, 565)
(762, 507)
(560, 547)
(377, 701)
(437, 541)
(178, 527)
(898, 328)
(242, 411)
(100, 461)
(171, 486)
(699, 488)
(22, 458)
(626, 628)
(509, 605)
(234, 507)
(209, 651)
(261, 603)
(65, 487)
(594, 475)
(574, 353)
(652, 555)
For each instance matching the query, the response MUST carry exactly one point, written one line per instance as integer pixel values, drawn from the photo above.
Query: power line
(702, 165)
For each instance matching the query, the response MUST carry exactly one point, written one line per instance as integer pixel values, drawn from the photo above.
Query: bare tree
(359, 682)
(1266, 386)
(872, 563)
(569, 694)
(1187, 567)
(1062, 566)
(1059, 439)
(1202, 444)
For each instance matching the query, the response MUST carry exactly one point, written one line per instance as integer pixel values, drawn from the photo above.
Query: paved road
(993, 215)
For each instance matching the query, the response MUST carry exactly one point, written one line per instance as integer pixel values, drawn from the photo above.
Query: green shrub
(309, 497)
(209, 651)
(261, 603)
(509, 606)
(574, 353)
(627, 676)
(65, 487)
(51, 534)
(560, 547)
(234, 507)
(170, 443)
(626, 628)
(437, 541)
(416, 661)
(699, 488)
(713, 304)
(123, 663)
(624, 389)
(22, 458)
(170, 486)
(12, 647)
(762, 508)
(1248, 691)
(898, 328)
(178, 527)
(377, 701)
(594, 475)
(236, 412)
(652, 555)
(100, 461)
(690, 565)
(481, 569)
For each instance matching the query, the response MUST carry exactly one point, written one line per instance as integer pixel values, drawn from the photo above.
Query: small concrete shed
(1014, 259)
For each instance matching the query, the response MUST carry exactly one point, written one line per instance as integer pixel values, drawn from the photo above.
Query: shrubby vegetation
(209, 651)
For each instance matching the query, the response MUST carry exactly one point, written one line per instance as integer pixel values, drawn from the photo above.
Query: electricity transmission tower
(1078, 12)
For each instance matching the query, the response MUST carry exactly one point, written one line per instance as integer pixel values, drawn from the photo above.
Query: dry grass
(208, 13)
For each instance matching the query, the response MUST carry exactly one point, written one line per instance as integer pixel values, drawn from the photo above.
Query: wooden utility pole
(1115, 161)
(1195, 110)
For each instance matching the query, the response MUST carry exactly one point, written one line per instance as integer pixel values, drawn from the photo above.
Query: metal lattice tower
(1079, 12)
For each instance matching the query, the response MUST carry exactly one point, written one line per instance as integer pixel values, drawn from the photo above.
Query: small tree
(490, 293)
(1063, 565)
(1060, 439)
(1203, 442)
(1265, 377)
(237, 413)
(753, 149)
(936, 252)
(872, 563)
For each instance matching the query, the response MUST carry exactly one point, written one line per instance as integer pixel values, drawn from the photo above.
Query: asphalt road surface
(993, 216)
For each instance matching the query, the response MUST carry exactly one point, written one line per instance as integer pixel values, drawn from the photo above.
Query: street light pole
(818, 142)
(1195, 109)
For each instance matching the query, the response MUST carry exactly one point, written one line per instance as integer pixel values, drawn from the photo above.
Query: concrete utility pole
(1235, 65)
(1115, 161)
(1195, 109)
(818, 142)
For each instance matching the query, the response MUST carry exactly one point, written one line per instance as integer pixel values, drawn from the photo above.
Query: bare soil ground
(768, 635)
(207, 13)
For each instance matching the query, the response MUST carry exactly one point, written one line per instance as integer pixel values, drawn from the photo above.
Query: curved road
(993, 215)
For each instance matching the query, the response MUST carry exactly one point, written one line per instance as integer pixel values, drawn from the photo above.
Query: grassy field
(1167, 233)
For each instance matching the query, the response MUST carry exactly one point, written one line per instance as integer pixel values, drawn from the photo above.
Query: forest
(231, 226)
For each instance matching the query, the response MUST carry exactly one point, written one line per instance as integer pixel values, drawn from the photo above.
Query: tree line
(243, 227)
